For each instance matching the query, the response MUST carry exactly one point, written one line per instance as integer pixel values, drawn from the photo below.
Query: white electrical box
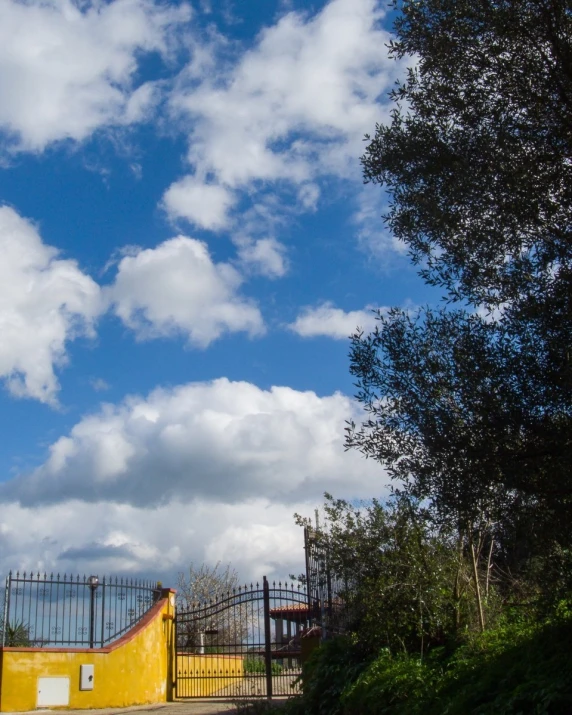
(86, 673)
(53, 691)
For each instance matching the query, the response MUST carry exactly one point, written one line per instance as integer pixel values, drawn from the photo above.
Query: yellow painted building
(135, 670)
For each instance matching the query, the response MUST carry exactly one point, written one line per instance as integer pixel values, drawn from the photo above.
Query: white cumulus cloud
(45, 301)
(205, 205)
(266, 256)
(221, 441)
(176, 288)
(327, 320)
(68, 68)
(293, 108)
(257, 536)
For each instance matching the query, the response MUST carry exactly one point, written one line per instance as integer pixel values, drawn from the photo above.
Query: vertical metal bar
(174, 672)
(122, 608)
(36, 610)
(103, 613)
(329, 611)
(267, 639)
(31, 629)
(71, 597)
(6, 608)
(307, 555)
(55, 626)
(42, 591)
(83, 629)
(51, 582)
(75, 626)
(14, 599)
(116, 600)
(91, 615)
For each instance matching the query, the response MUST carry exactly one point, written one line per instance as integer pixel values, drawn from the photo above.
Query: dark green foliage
(392, 685)
(257, 665)
(477, 155)
(400, 572)
(513, 669)
(460, 412)
(473, 412)
(476, 160)
(516, 669)
(17, 634)
(468, 405)
(329, 671)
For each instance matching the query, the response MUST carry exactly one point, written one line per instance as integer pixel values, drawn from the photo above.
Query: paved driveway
(187, 707)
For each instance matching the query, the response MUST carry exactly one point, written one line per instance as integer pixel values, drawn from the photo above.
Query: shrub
(392, 684)
(256, 665)
(17, 634)
(514, 669)
(329, 670)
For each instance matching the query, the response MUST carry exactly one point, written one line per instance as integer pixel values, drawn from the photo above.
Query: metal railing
(82, 611)
(327, 588)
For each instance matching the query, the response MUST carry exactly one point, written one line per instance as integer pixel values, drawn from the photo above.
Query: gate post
(267, 639)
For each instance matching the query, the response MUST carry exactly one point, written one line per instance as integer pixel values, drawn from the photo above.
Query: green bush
(256, 665)
(17, 634)
(392, 685)
(514, 669)
(329, 671)
(511, 670)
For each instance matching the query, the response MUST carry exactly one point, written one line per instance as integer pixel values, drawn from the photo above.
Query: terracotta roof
(294, 609)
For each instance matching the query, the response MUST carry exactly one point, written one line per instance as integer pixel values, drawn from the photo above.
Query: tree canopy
(469, 404)
(477, 157)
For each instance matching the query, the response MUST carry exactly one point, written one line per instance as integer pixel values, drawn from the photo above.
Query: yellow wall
(201, 675)
(133, 671)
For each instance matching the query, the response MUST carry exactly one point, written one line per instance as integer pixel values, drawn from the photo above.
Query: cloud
(45, 301)
(176, 288)
(99, 384)
(257, 536)
(266, 256)
(293, 108)
(327, 320)
(95, 552)
(173, 289)
(68, 69)
(205, 205)
(221, 441)
(200, 472)
(371, 232)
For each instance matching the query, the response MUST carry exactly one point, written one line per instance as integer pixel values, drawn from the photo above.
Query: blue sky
(187, 244)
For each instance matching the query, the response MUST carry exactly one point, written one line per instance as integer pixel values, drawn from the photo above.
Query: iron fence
(41, 610)
(327, 588)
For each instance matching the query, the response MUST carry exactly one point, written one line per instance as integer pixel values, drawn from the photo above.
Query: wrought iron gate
(245, 645)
